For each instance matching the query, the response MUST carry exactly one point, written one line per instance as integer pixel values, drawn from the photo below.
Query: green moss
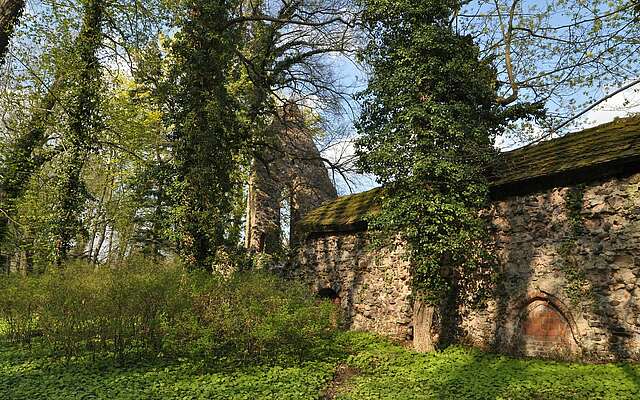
(346, 211)
(617, 140)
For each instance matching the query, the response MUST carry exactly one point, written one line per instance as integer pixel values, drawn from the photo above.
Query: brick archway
(545, 328)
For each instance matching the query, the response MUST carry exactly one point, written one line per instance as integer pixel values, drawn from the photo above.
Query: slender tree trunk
(103, 234)
(105, 224)
(436, 326)
(10, 11)
(28, 257)
(110, 248)
(83, 122)
(96, 224)
(423, 326)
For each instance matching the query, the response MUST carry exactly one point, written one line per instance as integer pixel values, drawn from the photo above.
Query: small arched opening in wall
(546, 328)
(329, 294)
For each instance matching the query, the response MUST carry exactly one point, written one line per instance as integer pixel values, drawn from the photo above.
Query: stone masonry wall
(568, 280)
(373, 287)
(569, 267)
(292, 171)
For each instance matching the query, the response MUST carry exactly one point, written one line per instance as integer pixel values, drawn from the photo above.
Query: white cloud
(620, 105)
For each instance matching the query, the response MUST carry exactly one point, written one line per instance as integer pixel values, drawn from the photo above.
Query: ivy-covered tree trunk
(427, 129)
(22, 160)
(10, 11)
(206, 142)
(84, 121)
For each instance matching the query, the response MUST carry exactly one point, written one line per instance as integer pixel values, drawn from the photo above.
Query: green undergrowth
(23, 376)
(387, 371)
(380, 370)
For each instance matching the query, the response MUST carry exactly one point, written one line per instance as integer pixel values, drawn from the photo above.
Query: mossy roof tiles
(617, 141)
(344, 213)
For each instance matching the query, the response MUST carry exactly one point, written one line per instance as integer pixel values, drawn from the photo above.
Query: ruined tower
(287, 180)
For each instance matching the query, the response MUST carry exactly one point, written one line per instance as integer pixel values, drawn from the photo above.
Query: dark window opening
(329, 294)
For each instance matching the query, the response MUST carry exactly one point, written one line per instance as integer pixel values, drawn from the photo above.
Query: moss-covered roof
(601, 146)
(344, 213)
(614, 141)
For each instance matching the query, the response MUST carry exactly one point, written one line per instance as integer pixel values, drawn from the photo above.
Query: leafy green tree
(429, 118)
(21, 161)
(83, 122)
(205, 140)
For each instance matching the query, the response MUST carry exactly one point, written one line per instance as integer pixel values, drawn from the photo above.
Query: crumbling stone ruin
(287, 181)
(565, 218)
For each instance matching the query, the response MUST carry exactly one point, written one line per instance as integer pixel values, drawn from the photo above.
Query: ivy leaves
(206, 140)
(427, 129)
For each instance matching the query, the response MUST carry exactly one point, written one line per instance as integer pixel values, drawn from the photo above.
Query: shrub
(118, 310)
(260, 315)
(20, 302)
(146, 308)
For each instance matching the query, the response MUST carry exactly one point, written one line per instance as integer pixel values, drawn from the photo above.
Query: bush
(20, 302)
(117, 310)
(256, 314)
(145, 308)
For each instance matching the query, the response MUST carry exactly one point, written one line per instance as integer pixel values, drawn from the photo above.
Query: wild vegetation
(349, 366)
(146, 310)
(129, 132)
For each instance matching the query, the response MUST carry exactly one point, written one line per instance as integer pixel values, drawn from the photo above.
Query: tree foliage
(565, 55)
(130, 128)
(83, 122)
(427, 127)
(205, 139)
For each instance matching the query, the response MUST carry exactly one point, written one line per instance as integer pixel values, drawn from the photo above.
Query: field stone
(527, 252)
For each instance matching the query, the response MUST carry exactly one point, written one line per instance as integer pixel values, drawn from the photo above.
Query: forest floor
(356, 366)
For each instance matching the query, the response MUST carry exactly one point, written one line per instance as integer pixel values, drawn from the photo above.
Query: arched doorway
(329, 294)
(545, 331)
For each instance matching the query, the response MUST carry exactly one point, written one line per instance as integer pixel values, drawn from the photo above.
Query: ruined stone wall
(569, 267)
(568, 281)
(290, 170)
(373, 287)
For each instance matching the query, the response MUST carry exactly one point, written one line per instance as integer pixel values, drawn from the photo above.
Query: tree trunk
(436, 326)
(423, 326)
(10, 11)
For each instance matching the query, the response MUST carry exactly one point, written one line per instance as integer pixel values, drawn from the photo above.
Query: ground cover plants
(379, 370)
(147, 331)
(388, 371)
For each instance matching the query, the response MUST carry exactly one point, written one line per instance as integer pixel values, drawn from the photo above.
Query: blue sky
(619, 106)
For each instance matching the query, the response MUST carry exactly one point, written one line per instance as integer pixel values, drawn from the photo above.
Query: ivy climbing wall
(575, 252)
(567, 279)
